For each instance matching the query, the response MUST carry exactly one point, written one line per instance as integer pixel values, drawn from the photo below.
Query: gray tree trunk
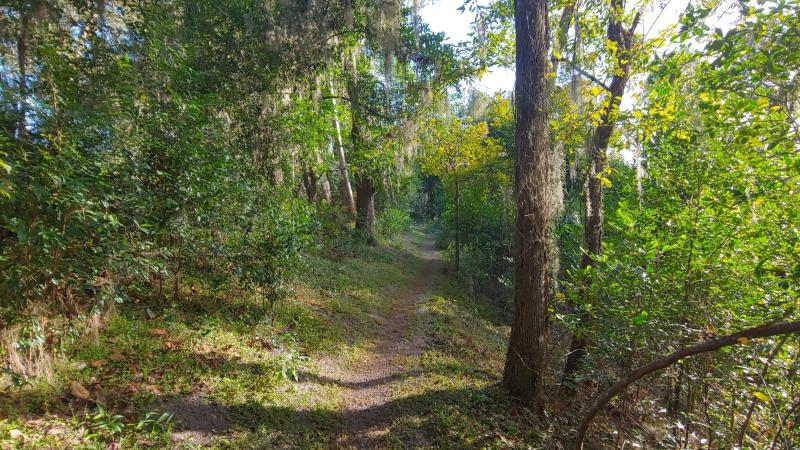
(346, 188)
(525, 361)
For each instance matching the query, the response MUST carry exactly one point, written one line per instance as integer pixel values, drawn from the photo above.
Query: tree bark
(707, 346)
(346, 189)
(593, 200)
(525, 360)
(310, 183)
(324, 182)
(22, 62)
(365, 202)
(326, 189)
(365, 187)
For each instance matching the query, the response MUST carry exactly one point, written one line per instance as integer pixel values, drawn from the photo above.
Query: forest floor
(371, 385)
(378, 348)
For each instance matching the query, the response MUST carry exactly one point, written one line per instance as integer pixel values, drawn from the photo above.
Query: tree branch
(592, 78)
(635, 21)
(707, 346)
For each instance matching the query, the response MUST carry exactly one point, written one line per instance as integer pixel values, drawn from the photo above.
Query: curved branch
(703, 347)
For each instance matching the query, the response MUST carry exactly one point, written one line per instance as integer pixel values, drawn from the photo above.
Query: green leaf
(641, 318)
(761, 396)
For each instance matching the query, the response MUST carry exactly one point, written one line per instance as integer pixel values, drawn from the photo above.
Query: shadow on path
(319, 427)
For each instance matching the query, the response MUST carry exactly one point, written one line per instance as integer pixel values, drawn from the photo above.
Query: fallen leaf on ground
(153, 389)
(205, 348)
(56, 431)
(77, 389)
(150, 313)
(98, 363)
(507, 441)
(116, 356)
(157, 331)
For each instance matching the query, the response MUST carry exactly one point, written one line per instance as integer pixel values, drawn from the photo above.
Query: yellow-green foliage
(451, 146)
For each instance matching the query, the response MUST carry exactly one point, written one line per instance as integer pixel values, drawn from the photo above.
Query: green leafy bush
(393, 221)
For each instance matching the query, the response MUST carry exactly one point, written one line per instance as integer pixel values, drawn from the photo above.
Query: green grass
(225, 354)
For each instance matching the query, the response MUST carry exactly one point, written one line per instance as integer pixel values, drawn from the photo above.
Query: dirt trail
(367, 388)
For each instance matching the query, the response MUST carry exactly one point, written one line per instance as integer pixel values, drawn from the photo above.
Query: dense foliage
(163, 151)
(154, 147)
(700, 211)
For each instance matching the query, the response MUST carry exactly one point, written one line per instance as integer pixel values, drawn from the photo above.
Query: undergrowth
(215, 372)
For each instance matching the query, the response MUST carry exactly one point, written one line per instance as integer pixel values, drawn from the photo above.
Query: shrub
(392, 222)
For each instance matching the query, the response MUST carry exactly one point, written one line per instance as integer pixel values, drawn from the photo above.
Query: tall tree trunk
(325, 184)
(560, 38)
(326, 189)
(525, 360)
(276, 177)
(346, 190)
(365, 187)
(22, 62)
(593, 200)
(365, 202)
(557, 149)
(310, 183)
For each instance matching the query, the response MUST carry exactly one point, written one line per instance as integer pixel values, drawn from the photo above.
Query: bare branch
(703, 347)
(592, 78)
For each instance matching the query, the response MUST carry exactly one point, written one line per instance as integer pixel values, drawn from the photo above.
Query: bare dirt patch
(368, 391)
(197, 419)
